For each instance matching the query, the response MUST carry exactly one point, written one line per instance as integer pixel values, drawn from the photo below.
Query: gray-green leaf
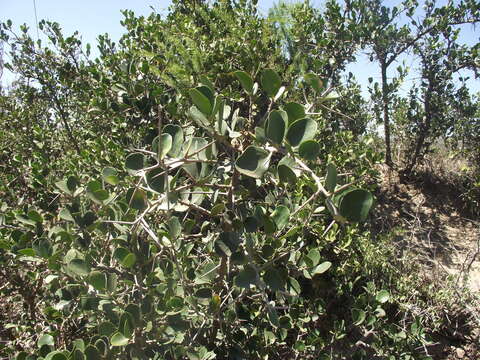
(301, 130)
(253, 162)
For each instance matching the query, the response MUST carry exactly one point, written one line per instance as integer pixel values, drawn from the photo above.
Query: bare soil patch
(433, 228)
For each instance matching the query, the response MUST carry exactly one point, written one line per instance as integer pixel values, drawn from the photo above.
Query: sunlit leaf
(280, 216)
(382, 296)
(295, 111)
(165, 142)
(202, 99)
(331, 178)
(118, 339)
(253, 162)
(79, 267)
(245, 80)
(276, 126)
(109, 175)
(271, 82)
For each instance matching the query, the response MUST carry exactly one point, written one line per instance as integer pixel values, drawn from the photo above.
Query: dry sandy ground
(435, 230)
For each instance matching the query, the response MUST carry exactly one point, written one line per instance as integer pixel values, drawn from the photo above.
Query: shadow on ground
(432, 225)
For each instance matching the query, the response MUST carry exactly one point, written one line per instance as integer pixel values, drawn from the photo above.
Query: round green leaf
(355, 205)
(272, 316)
(66, 215)
(174, 227)
(295, 111)
(96, 192)
(217, 209)
(79, 344)
(269, 227)
(102, 347)
(271, 82)
(253, 162)
(45, 340)
(276, 126)
(382, 296)
(129, 260)
(301, 130)
(79, 267)
(136, 199)
(78, 354)
(109, 175)
(246, 277)
(293, 287)
(281, 216)
(379, 312)
(118, 339)
(285, 170)
(314, 256)
(92, 353)
(176, 132)
(135, 161)
(165, 142)
(126, 324)
(309, 150)
(201, 99)
(157, 179)
(35, 216)
(124, 257)
(245, 80)
(358, 316)
(106, 328)
(98, 280)
(274, 279)
(320, 269)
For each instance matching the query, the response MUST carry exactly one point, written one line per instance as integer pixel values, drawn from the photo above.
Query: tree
(314, 40)
(388, 40)
(433, 115)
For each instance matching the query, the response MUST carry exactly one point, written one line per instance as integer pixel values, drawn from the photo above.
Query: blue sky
(92, 18)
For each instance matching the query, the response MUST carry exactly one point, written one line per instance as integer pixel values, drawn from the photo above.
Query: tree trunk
(386, 115)
(424, 129)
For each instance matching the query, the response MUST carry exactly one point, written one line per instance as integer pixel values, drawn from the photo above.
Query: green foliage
(188, 205)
